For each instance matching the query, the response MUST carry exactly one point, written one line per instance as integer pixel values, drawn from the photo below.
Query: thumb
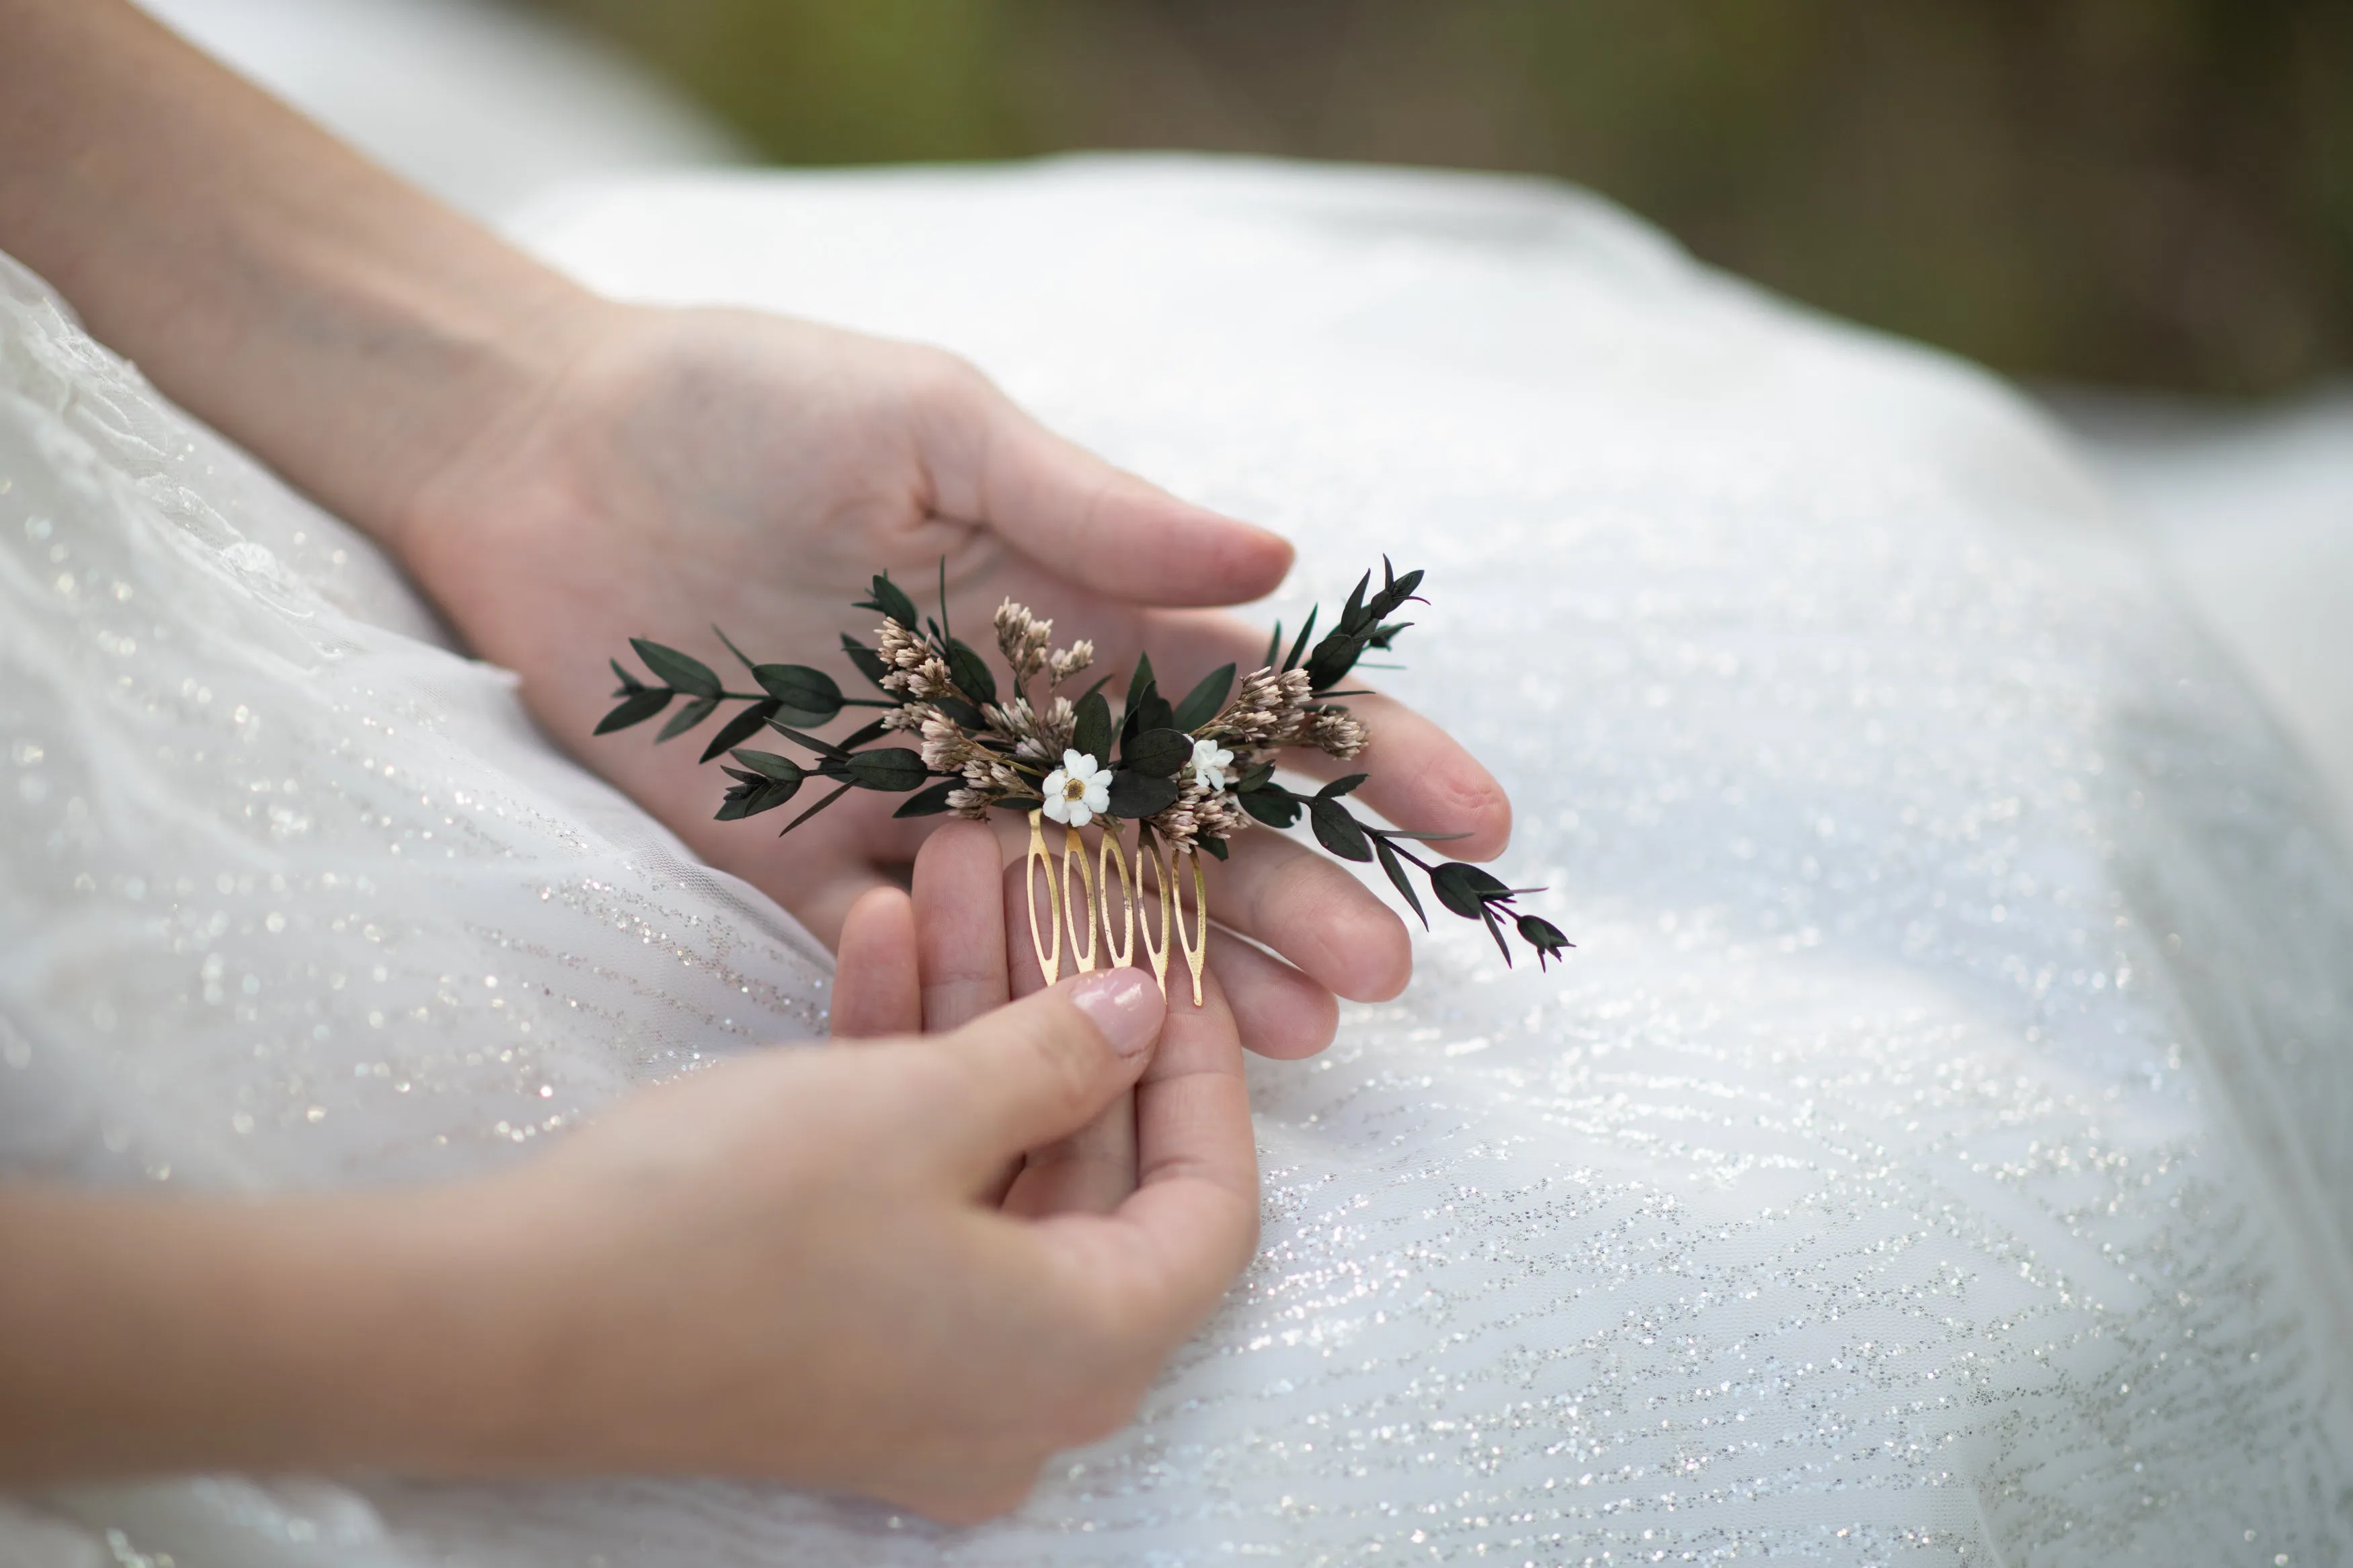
(1042, 1067)
(1106, 529)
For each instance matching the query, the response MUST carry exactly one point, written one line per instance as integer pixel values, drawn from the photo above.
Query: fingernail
(1125, 1006)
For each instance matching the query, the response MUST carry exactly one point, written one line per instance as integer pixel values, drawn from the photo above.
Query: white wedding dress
(1933, 1153)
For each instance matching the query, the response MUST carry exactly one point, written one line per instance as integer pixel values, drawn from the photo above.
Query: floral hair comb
(1189, 775)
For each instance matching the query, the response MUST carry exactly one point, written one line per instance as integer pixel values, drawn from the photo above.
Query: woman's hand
(804, 1265)
(693, 467)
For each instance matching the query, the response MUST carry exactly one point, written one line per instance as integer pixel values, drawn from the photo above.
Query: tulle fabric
(1928, 1154)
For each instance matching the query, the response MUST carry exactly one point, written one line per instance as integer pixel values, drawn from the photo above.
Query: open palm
(709, 468)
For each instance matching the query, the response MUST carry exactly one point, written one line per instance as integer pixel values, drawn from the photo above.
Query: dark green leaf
(635, 708)
(1385, 634)
(1139, 685)
(865, 734)
(741, 657)
(1337, 831)
(1462, 888)
(868, 662)
(930, 802)
(1203, 702)
(683, 671)
(687, 717)
(768, 765)
(1274, 645)
(1134, 795)
(1216, 847)
(1339, 787)
(1544, 936)
(888, 600)
(970, 672)
(1272, 807)
(1355, 607)
(808, 697)
(739, 728)
(812, 811)
(1301, 646)
(1334, 658)
(1159, 752)
(630, 684)
(964, 714)
(823, 748)
(1092, 734)
(1256, 778)
(1396, 869)
(891, 768)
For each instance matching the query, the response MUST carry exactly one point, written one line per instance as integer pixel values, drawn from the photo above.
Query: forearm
(149, 1335)
(351, 331)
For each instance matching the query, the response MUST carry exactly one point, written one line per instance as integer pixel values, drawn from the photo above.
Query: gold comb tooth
(1049, 963)
(1075, 847)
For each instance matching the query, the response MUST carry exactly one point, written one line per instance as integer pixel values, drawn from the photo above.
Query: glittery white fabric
(1931, 1153)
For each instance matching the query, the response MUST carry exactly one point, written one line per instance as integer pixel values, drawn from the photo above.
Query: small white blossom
(1078, 791)
(1210, 761)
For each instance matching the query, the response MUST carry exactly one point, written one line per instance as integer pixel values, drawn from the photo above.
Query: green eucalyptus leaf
(1203, 702)
(867, 662)
(739, 728)
(630, 684)
(635, 708)
(808, 697)
(1257, 778)
(1092, 734)
(1337, 831)
(770, 766)
(1215, 847)
(812, 811)
(1134, 796)
(1159, 752)
(1272, 807)
(970, 672)
(1139, 686)
(930, 802)
(1544, 936)
(865, 734)
(891, 768)
(683, 671)
(1463, 887)
(1301, 646)
(687, 717)
(891, 600)
(1397, 878)
(1339, 787)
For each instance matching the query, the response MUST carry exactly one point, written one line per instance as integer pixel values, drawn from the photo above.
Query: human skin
(754, 1271)
(561, 472)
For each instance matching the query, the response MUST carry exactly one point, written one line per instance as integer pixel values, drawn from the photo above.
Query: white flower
(1210, 761)
(1078, 791)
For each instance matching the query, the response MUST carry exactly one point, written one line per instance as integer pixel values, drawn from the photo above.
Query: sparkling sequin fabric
(1933, 1153)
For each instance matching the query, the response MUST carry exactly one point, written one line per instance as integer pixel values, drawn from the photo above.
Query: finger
(959, 925)
(875, 986)
(1091, 1170)
(1165, 1258)
(1421, 777)
(1038, 1070)
(1278, 892)
(1278, 1011)
(1103, 527)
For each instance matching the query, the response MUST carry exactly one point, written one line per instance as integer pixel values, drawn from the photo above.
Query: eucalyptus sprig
(1190, 773)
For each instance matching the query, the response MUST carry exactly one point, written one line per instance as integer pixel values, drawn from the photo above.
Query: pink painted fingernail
(1124, 1004)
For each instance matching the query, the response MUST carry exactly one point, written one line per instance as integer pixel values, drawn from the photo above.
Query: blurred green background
(2155, 193)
